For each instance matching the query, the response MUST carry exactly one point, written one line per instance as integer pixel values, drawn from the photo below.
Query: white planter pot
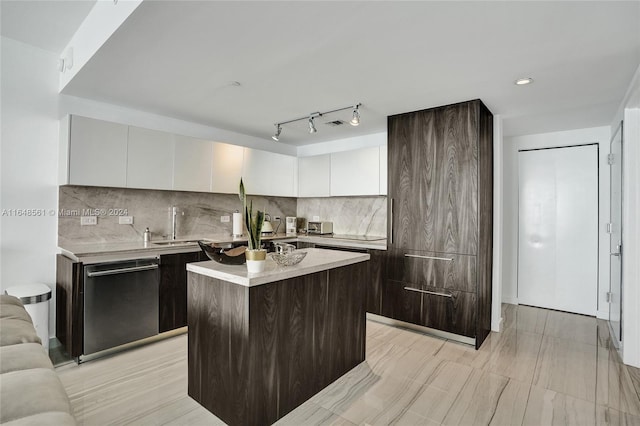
(254, 266)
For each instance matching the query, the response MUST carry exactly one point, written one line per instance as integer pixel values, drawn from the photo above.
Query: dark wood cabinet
(440, 186)
(69, 304)
(173, 289)
(374, 288)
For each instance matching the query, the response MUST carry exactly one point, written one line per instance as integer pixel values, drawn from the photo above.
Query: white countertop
(316, 260)
(112, 251)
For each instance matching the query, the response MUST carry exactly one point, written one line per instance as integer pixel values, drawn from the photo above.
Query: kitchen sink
(174, 243)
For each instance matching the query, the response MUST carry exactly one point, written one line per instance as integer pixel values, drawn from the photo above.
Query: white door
(558, 228)
(615, 239)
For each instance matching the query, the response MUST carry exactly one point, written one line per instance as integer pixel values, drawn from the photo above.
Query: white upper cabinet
(226, 167)
(97, 153)
(314, 176)
(192, 164)
(383, 170)
(149, 159)
(268, 173)
(356, 172)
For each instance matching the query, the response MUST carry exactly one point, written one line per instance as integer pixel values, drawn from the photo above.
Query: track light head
(312, 126)
(355, 120)
(276, 136)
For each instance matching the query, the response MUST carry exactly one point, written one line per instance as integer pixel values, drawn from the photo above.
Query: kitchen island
(262, 344)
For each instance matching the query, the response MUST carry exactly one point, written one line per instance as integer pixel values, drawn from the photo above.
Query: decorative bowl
(289, 259)
(224, 253)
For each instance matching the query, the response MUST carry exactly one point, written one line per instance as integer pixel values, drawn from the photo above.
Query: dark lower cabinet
(377, 266)
(401, 304)
(455, 314)
(173, 289)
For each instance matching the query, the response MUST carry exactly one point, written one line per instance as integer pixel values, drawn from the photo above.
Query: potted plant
(256, 255)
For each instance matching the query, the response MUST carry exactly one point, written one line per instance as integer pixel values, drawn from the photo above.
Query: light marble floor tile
(564, 325)
(615, 387)
(512, 404)
(477, 400)
(567, 366)
(441, 390)
(516, 355)
(525, 318)
(546, 407)
(606, 416)
(311, 414)
(403, 363)
(408, 379)
(377, 402)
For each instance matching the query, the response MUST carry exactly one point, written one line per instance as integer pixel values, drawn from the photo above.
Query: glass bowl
(288, 259)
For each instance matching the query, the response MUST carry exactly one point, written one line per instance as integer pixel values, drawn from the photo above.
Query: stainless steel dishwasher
(120, 303)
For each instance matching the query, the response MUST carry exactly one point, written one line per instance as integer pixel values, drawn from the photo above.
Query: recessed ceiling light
(523, 81)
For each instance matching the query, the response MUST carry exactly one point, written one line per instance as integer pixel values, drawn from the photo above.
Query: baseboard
(510, 300)
(603, 315)
(497, 325)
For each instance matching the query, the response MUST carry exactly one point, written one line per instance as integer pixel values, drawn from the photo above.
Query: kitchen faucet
(174, 219)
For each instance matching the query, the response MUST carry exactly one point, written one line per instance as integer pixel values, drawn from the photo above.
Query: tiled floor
(545, 368)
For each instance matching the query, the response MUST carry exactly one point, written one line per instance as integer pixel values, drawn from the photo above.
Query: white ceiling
(48, 25)
(178, 58)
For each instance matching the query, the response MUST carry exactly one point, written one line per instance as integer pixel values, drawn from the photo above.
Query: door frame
(618, 130)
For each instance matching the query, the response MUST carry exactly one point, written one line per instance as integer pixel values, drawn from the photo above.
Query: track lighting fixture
(355, 120)
(276, 136)
(312, 127)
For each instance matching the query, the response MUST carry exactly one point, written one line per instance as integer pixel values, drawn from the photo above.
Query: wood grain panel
(456, 314)
(218, 357)
(376, 274)
(400, 304)
(485, 229)
(457, 182)
(459, 273)
(173, 289)
(69, 304)
(283, 341)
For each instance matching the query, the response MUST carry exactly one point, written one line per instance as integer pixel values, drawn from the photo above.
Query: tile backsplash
(350, 215)
(199, 213)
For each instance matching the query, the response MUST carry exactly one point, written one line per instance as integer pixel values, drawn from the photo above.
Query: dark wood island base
(258, 352)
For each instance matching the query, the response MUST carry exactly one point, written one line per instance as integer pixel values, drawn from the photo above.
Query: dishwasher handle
(150, 267)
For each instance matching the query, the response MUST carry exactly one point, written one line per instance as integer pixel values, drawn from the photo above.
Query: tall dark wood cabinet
(440, 195)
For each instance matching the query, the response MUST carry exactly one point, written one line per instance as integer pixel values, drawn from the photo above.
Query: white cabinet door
(268, 173)
(383, 170)
(226, 168)
(314, 176)
(192, 164)
(356, 172)
(98, 153)
(150, 159)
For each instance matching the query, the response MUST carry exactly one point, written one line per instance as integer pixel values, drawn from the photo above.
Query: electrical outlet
(224, 219)
(88, 220)
(125, 220)
(316, 219)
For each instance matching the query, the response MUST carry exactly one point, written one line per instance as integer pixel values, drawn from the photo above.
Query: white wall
(629, 111)
(28, 151)
(346, 144)
(600, 135)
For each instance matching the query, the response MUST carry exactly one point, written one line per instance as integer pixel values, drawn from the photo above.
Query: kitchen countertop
(317, 260)
(113, 251)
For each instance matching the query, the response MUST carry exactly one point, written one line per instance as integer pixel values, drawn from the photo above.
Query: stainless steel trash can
(35, 298)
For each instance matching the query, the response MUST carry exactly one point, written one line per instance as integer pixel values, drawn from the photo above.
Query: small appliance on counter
(291, 225)
(320, 228)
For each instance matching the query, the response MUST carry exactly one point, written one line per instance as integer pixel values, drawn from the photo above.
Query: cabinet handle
(428, 257)
(391, 221)
(429, 292)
